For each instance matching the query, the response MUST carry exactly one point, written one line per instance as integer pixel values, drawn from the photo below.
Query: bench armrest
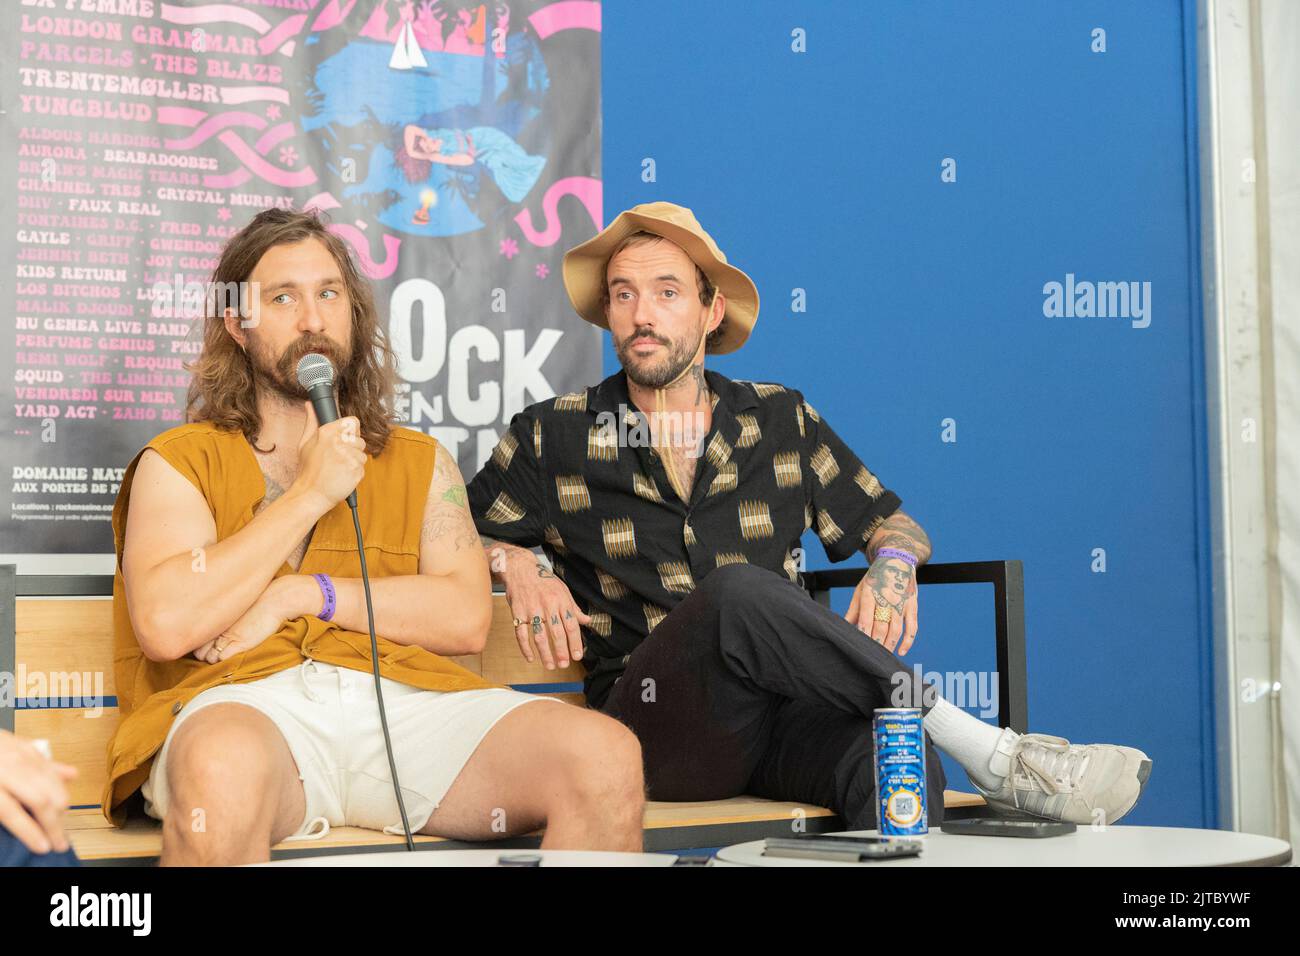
(1008, 580)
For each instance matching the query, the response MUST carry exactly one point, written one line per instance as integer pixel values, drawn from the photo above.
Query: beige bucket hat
(585, 264)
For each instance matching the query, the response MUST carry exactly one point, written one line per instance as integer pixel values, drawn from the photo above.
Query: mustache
(293, 353)
(644, 337)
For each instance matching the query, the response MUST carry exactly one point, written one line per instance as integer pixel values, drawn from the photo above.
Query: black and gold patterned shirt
(575, 475)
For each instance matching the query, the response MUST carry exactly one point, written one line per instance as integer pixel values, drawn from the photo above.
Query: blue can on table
(900, 771)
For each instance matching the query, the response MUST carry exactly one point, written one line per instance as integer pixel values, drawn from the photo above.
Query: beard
(280, 378)
(652, 373)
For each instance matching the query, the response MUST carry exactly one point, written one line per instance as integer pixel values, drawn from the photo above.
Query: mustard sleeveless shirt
(222, 466)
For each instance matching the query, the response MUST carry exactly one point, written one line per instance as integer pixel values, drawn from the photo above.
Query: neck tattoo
(701, 384)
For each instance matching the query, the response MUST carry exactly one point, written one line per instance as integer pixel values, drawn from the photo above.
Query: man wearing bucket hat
(671, 502)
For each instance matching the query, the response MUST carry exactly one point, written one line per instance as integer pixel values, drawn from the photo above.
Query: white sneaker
(1053, 778)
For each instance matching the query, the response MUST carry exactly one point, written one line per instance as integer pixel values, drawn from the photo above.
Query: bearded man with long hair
(249, 715)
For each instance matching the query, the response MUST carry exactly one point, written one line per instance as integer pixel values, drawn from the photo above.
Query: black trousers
(751, 686)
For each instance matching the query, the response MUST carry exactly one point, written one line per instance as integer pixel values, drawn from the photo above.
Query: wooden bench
(60, 625)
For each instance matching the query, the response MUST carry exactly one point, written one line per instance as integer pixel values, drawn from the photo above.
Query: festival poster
(455, 146)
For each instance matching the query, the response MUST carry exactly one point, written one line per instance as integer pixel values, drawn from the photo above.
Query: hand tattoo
(890, 581)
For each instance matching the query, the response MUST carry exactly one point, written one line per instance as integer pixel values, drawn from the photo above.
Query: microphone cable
(316, 376)
(379, 690)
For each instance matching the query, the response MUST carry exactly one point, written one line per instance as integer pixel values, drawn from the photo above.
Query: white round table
(1112, 846)
(550, 858)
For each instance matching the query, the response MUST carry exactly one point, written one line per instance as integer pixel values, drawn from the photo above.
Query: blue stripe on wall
(1200, 428)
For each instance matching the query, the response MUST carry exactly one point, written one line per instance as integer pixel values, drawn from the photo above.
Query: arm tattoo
(505, 546)
(500, 553)
(902, 541)
(544, 572)
(450, 523)
(900, 531)
(444, 466)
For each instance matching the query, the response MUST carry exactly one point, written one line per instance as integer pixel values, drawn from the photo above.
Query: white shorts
(330, 720)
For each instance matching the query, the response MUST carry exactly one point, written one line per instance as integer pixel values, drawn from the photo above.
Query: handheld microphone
(316, 375)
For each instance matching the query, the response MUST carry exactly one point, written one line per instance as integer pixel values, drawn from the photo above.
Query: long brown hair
(222, 388)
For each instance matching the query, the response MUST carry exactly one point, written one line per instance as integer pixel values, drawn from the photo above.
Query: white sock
(966, 739)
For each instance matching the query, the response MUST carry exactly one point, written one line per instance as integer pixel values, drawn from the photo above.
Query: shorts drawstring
(395, 829)
(306, 685)
(311, 833)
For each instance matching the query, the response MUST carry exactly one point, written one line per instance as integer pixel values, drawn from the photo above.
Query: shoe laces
(1053, 764)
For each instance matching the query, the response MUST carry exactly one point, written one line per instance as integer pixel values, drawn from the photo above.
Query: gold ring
(519, 622)
(883, 613)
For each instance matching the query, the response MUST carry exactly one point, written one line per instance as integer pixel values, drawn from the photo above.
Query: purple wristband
(896, 553)
(327, 589)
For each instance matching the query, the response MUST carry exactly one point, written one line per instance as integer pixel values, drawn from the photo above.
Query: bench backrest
(59, 628)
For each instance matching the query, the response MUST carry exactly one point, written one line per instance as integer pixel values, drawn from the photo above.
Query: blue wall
(821, 171)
